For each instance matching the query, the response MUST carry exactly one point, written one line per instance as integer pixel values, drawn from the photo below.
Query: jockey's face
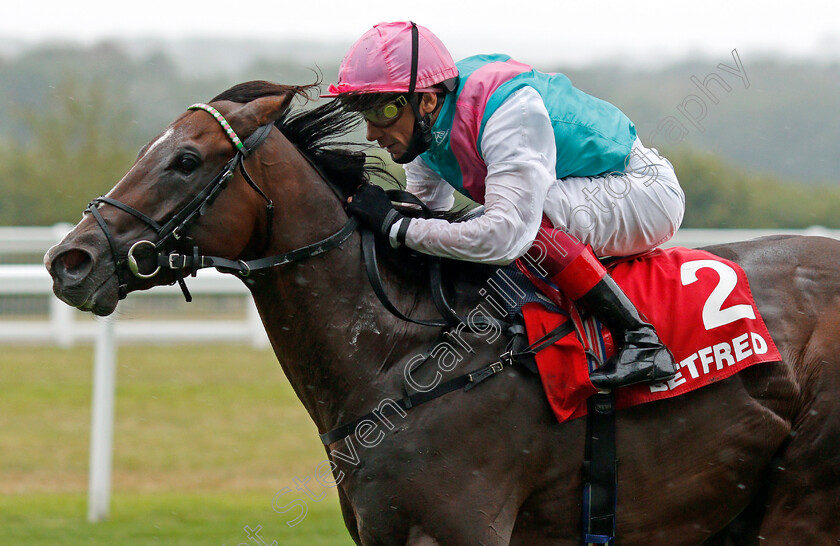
(394, 137)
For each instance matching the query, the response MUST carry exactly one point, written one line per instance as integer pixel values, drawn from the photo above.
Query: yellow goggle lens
(385, 113)
(390, 111)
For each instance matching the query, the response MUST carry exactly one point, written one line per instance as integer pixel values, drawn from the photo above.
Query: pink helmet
(380, 62)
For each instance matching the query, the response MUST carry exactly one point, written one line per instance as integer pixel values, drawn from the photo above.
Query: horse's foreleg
(349, 516)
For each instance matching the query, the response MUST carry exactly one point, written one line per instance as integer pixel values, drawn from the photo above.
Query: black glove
(373, 208)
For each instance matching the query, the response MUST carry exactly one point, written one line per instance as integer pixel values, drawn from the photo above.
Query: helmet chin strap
(421, 138)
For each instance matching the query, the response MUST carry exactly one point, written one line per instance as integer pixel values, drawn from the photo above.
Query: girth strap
(599, 470)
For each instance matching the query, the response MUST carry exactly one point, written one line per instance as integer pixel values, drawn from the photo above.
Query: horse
(748, 459)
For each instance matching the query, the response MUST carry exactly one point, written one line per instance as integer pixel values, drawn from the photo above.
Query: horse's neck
(332, 337)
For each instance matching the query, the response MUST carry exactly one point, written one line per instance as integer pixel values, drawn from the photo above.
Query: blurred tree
(79, 146)
(720, 195)
(75, 142)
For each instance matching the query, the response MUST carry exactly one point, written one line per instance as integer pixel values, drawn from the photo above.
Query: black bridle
(174, 229)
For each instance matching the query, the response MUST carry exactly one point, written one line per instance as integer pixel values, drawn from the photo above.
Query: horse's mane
(318, 133)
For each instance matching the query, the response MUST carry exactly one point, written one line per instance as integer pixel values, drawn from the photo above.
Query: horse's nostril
(74, 263)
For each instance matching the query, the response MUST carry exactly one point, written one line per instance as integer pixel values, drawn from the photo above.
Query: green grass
(163, 518)
(203, 439)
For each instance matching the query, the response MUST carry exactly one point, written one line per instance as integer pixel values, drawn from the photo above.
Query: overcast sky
(651, 32)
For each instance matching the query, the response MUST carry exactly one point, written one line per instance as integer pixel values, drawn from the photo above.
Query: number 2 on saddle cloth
(700, 304)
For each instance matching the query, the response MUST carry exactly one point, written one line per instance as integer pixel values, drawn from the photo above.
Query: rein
(450, 318)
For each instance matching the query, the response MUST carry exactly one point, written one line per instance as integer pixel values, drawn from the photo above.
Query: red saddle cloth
(700, 305)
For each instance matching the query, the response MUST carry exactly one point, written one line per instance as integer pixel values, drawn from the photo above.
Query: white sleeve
(519, 151)
(428, 186)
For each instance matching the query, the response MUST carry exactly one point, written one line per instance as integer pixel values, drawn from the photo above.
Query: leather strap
(467, 382)
(195, 262)
(391, 218)
(372, 270)
(599, 469)
(132, 211)
(403, 229)
(476, 324)
(402, 196)
(118, 261)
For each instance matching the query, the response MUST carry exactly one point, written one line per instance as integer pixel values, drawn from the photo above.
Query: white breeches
(619, 214)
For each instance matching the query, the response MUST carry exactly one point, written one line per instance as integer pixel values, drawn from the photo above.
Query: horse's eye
(187, 163)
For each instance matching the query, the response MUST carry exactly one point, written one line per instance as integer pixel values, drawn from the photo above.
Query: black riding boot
(640, 356)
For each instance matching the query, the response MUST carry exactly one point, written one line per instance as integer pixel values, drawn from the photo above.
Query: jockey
(560, 173)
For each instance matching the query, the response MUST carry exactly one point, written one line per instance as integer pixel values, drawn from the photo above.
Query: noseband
(175, 228)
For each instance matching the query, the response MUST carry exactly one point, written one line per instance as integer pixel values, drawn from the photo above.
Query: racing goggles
(387, 114)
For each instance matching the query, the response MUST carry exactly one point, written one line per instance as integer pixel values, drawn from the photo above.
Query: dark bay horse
(754, 458)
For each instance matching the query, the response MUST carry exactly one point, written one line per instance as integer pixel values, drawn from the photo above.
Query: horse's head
(186, 190)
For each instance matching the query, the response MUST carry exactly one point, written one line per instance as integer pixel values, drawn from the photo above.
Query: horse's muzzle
(77, 281)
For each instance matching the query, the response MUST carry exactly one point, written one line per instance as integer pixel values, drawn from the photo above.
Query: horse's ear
(258, 112)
